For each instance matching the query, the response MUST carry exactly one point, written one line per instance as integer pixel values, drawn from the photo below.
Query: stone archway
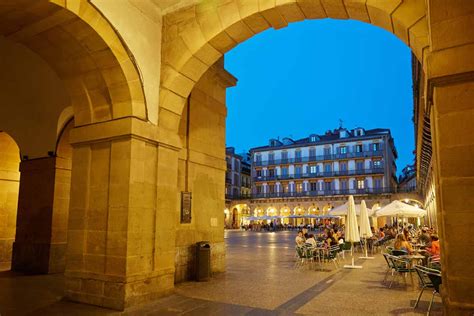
(85, 52)
(199, 35)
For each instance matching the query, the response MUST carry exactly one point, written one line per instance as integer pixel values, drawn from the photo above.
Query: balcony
(351, 155)
(328, 174)
(240, 196)
(324, 193)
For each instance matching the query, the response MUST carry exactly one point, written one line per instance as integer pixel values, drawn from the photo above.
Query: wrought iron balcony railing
(350, 155)
(325, 174)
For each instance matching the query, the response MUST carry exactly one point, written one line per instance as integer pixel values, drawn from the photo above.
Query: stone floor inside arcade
(260, 280)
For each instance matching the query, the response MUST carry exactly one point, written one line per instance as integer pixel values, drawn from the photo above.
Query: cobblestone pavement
(260, 280)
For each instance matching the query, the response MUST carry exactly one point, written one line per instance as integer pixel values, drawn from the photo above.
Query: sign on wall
(186, 207)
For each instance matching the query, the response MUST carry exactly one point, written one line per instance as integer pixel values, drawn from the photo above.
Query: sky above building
(306, 77)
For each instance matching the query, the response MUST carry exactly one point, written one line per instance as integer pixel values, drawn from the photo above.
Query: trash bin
(203, 261)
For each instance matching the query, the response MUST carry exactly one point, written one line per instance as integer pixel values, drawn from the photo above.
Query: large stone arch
(197, 36)
(84, 50)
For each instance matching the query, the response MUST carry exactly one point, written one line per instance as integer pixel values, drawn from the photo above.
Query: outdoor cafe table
(412, 261)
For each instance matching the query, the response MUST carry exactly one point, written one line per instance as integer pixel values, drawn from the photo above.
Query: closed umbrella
(365, 231)
(351, 233)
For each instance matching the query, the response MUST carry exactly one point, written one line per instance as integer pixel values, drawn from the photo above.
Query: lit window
(360, 184)
(343, 150)
(312, 169)
(358, 148)
(377, 164)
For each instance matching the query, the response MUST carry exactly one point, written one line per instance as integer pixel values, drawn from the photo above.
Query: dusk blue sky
(303, 78)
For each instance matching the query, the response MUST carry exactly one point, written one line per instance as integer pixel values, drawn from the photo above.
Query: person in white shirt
(299, 239)
(311, 240)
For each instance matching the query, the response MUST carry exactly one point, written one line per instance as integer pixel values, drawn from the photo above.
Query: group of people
(278, 226)
(330, 236)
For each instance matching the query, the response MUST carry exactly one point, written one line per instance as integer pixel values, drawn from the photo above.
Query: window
(271, 188)
(271, 157)
(360, 184)
(259, 189)
(284, 156)
(313, 138)
(327, 167)
(327, 186)
(286, 187)
(298, 155)
(312, 153)
(299, 187)
(343, 150)
(343, 166)
(258, 158)
(343, 184)
(284, 171)
(375, 146)
(378, 183)
(298, 171)
(312, 169)
(359, 165)
(271, 172)
(327, 151)
(359, 148)
(313, 186)
(259, 173)
(237, 165)
(377, 164)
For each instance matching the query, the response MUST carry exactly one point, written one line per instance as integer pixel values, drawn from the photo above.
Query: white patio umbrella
(402, 210)
(365, 231)
(351, 233)
(341, 210)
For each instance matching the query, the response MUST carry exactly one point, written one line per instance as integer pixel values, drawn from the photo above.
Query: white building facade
(340, 162)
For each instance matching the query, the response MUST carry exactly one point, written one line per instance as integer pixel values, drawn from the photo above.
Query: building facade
(238, 175)
(340, 162)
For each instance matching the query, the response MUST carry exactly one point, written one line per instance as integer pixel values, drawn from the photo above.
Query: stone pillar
(202, 169)
(9, 183)
(453, 140)
(122, 214)
(450, 89)
(41, 234)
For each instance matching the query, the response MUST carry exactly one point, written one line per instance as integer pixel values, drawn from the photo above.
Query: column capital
(127, 127)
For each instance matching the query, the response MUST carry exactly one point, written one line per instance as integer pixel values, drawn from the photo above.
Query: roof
(327, 138)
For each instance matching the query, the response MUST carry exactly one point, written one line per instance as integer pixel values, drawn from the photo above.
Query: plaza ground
(260, 280)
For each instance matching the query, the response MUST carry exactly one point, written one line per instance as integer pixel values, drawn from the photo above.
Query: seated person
(424, 237)
(300, 239)
(331, 240)
(434, 250)
(311, 240)
(402, 244)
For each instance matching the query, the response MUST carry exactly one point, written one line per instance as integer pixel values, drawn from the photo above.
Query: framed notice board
(186, 198)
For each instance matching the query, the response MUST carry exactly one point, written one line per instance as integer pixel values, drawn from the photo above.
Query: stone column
(41, 234)
(452, 120)
(9, 183)
(202, 169)
(450, 91)
(122, 213)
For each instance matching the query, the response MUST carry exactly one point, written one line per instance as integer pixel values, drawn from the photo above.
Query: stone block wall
(202, 171)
